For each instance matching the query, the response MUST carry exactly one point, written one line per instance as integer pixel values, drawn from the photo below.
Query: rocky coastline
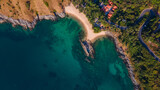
(31, 25)
(126, 60)
(27, 24)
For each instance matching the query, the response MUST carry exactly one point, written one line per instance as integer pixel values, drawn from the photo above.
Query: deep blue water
(50, 57)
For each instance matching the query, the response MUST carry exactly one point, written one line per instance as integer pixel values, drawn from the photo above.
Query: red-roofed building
(109, 15)
(108, 9)
(114, 8)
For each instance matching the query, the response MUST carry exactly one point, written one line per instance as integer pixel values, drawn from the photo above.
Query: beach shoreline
(91, 36)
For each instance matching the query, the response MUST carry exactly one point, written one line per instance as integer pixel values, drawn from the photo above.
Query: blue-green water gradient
(50, 57)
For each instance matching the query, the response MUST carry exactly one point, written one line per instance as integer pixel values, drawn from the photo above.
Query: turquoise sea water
(51, 58)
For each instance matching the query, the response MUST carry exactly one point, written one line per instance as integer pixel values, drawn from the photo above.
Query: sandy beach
(90, 35)
(71, 10)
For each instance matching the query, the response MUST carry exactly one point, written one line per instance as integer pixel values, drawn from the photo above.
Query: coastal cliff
(28, 9)
(27, 24)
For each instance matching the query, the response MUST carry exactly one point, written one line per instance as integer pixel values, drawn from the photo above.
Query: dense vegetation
(147, 69)
(46, 3)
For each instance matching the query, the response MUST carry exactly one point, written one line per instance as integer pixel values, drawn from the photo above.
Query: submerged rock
(87, 47)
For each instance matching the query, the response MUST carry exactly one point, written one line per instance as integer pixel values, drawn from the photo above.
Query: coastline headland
(91, 37)
(27, 24)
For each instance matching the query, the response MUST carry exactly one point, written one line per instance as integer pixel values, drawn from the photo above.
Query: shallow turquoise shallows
(50, 57)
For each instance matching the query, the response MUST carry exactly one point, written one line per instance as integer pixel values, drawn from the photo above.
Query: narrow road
(142, 42)
(141, 28)
(140, 36)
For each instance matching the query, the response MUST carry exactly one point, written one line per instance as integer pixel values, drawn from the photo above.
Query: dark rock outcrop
(27, 24)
